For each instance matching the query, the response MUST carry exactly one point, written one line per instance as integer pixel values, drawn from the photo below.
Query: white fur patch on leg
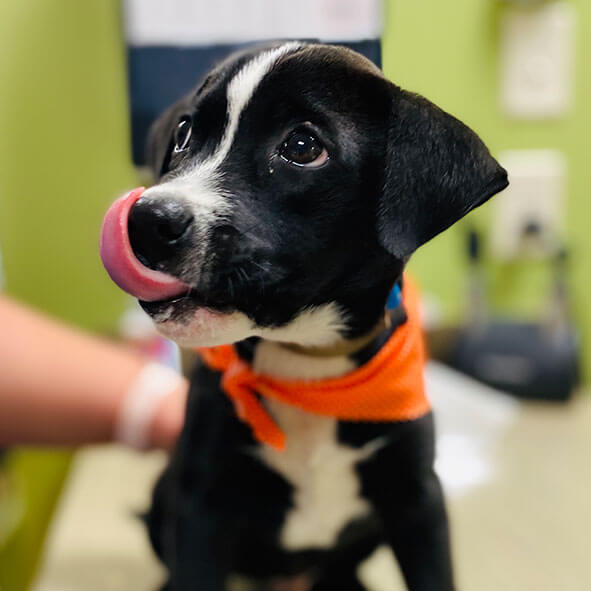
(380, 572)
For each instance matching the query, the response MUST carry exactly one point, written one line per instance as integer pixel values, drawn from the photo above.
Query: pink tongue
(121, 263)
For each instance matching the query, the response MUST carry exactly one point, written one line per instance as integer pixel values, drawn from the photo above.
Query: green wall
(449, 51)
(64, 152)
(64, 156)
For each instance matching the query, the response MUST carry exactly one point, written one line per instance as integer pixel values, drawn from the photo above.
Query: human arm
(60, 386)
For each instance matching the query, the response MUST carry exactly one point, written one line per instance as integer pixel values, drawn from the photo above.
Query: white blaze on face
(240, 90)
(198, 185)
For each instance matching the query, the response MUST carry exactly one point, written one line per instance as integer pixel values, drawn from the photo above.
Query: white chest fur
(322, 472)
(320, 468)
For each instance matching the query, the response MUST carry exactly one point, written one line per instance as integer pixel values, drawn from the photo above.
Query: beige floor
(523, 524)
(531, 528)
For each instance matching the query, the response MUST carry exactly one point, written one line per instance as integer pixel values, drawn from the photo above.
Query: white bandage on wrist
(153, 383)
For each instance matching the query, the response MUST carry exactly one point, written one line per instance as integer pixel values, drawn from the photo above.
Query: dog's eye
(303, 149)
(182, 134)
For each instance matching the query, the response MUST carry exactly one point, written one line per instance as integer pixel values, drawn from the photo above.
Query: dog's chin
(192, 325)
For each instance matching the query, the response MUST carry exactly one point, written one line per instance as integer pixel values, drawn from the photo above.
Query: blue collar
(395, 297)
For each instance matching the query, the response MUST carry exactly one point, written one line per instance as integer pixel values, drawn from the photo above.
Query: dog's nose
(157, 229)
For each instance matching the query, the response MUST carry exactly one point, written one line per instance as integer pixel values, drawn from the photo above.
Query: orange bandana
(387, 388)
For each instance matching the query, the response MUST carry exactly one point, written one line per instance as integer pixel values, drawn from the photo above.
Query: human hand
(151, 412)
(169, 418)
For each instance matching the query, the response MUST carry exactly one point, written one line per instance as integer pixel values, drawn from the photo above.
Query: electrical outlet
(529, 214)
(537, 55)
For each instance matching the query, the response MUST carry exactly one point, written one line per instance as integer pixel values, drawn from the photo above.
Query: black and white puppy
(293, 185)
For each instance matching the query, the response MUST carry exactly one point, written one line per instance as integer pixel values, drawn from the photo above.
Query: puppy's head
(293, 184)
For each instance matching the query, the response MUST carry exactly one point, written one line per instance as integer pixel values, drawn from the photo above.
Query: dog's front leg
(199, 549)
(417, 529)
(406, 493)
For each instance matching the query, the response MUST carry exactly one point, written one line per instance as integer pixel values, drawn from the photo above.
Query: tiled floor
(519, 492)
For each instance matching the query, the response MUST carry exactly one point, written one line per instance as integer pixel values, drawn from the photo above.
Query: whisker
(242, 272)
(188, 294)
(258, 265)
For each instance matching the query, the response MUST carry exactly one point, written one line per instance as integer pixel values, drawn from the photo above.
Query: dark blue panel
(158, 76)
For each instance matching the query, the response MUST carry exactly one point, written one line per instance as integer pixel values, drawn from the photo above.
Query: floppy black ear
(437, 170)
(160, 140)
